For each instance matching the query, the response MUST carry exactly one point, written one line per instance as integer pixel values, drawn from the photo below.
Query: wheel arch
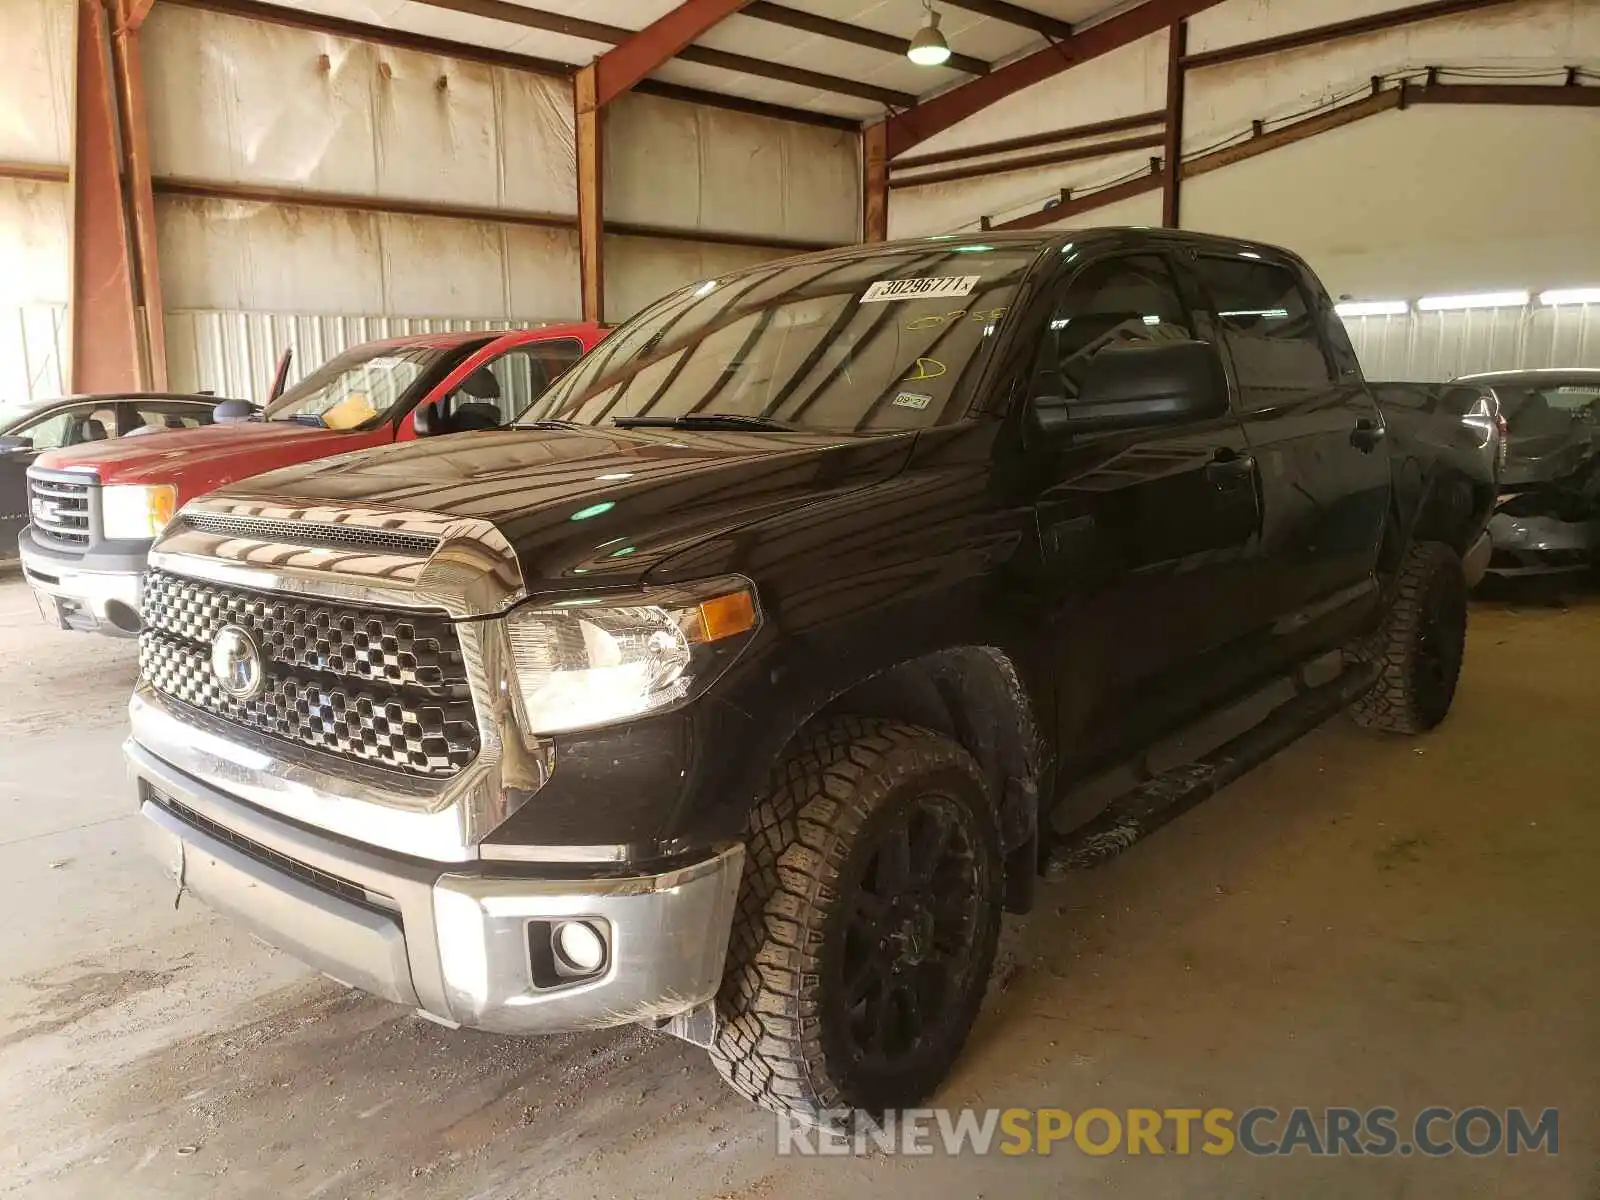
(974, 696)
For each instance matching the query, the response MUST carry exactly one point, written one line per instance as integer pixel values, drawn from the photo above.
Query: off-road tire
(1419, 647)
(845, 784)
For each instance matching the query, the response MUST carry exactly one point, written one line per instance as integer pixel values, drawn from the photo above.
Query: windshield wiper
(551, 423)
(703, 421)
(311, 419)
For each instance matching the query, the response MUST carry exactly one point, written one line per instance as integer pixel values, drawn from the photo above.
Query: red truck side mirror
(427, 419)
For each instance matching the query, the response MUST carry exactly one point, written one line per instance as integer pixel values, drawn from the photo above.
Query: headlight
(595, 661)
(137, 512)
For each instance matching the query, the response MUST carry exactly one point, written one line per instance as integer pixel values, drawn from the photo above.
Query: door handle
(1228, 465)
(1366, 435)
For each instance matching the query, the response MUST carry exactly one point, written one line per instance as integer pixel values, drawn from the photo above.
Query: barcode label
(931, 288)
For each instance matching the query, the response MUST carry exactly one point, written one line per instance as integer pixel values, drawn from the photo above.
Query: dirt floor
(1362, 921)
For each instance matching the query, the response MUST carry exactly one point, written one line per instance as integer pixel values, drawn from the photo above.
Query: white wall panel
(235, 353)
(641, 270)
(1223, 100)
(280, 258)
(36, 81)
(33, 351)
(959, 204)
(33, 288)
(1126, 81)
(256, 103)
(1436, 346)
(690, 167)
(35, 127)
(1130, 80)
(1430, 200)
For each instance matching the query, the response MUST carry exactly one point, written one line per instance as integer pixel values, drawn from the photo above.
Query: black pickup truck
(734, 690)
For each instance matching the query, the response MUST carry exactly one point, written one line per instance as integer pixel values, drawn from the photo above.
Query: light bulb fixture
(928, 48)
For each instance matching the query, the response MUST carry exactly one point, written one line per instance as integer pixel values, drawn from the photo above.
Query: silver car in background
(1547, 516)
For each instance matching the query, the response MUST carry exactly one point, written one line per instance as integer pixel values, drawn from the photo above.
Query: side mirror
(15, 445)
(280, 377)
(233, 411)
(1140, 385)
(428, 420)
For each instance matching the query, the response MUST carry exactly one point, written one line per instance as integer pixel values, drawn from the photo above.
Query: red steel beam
(1542, 95)
(1029, 162)
(624, 65)
(1320, 34)
(140, 196)
(1125, 190)
(1172, 155)
(591, 198)
(874, 185)
(105, 353)
(916, 125)
(133, 14)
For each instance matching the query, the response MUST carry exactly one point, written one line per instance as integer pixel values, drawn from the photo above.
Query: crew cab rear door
(1318, 439)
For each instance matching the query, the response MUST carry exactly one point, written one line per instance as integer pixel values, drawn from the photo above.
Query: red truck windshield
(364, 386)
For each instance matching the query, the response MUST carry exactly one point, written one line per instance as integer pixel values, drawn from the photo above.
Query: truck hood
(595, 507)
(198, 460)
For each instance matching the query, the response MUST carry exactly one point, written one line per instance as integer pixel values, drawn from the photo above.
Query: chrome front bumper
(84, 593)
(457, 944)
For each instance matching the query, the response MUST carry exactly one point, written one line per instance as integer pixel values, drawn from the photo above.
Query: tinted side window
(1109, 303)
(521, 375)
(73, 427)
(1273, 336)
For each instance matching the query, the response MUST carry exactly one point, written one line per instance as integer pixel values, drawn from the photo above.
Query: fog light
(579, 947)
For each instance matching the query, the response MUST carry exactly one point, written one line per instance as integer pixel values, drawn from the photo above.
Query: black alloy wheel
(907, 942)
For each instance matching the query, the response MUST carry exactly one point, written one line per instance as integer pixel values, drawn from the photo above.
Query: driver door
(65, 426)
(1146, 534)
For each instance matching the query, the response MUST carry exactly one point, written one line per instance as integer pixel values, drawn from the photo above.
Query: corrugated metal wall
(235, 353)
(1432, 347)
(33, 351)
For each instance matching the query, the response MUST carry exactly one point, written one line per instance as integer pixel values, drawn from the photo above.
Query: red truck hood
(199, 460)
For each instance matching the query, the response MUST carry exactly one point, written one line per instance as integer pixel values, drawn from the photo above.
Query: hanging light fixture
(928, 48)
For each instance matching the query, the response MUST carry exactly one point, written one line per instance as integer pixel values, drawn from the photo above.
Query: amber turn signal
(724, 616)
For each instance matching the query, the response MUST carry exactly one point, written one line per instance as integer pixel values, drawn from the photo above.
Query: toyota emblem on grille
(236, 662)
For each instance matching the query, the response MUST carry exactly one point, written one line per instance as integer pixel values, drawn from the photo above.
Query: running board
(1148, 807)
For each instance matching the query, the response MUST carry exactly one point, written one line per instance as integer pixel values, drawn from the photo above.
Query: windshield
(884, 342)
(1549, 408)
(364, 386)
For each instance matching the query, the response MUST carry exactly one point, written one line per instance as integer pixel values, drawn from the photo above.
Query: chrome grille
(60, 508)
(385, 686)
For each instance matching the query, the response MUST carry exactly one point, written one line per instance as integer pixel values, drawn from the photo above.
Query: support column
(875, 182)
(105, 354)
(591, 199)
(1172, 162)
(140, 195)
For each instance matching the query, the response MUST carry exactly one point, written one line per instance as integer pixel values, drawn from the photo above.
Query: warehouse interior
(188, 188)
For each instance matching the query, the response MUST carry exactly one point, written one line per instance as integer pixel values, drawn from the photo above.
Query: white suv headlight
(594, 661)
(127, 511)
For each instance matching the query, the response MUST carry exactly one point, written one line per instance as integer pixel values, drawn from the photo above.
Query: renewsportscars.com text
(1433, 1132)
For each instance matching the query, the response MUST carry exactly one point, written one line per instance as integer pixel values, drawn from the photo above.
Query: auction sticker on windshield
(929, 288)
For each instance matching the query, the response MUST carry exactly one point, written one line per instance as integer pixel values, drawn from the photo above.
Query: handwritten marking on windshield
(927, 368)
(983, 316)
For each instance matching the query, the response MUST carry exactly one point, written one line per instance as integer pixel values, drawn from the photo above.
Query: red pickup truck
(94, 510)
